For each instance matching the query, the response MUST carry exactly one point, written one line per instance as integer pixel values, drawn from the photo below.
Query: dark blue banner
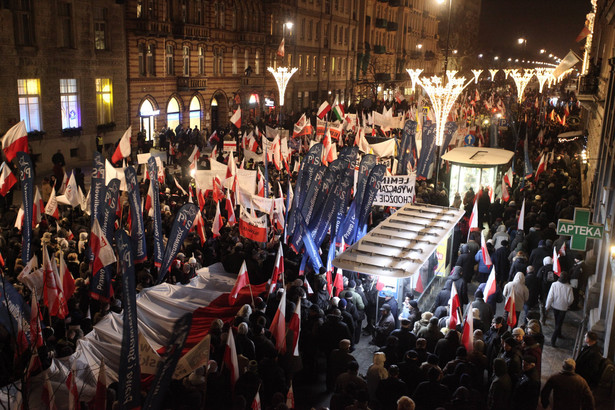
(310, 247)
(152, 169)
(26, 177)
(529, 170)
(449, 130)
(160, 386)
(428, 151)
(137, 230)
(129, 387)
(181, 226)
(97, 191)
(100, 288)
(365, 167)
(373, 185)
(13, 309)
(309, 165)
(406, 153)
(307, 209)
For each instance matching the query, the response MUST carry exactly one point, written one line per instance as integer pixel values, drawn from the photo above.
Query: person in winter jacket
(547, 277)
(570, 391)
(527, 390)
(560, 298)
(500, 236)
(483, 269)
(484, 309)
(460, 285)
(519, 264)
(375, 373)
(533, 286)
(501, 387)
(466, 262)
(537, 255)
(501, 263)
(518, 291)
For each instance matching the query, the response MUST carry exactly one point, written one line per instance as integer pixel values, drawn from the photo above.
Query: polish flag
(521, 221)
(217, 193)
(15, 140)
(19, 219)
(242, 281)
(256, 403)
(51, 208)
(261, 184)
(230, 357)
(52, 288)
(7, 179)
(324, 108)
(474, 216)
(99, 402)
(149, 198)
(66, 279)
(280, 51)
(199, 227)
(101, 248)
(218, 223)
(542, 166)
(38, 208)
(562, 250)
(467, 338)
(230, 212)
(295, 327)
(490, 286)
(510, 308)
(557, 268)
(505, 194)
(71, 192)
(194, 157)
(36, 334)
(181, 188)
(485, 251)
(338, 283)
(278, 269)
(454, 304)
(290, 397)
(278, 325)
(231, 167)
(236, 118)
(123, 148)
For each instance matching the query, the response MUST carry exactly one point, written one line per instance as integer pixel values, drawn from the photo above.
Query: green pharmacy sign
(579, 230)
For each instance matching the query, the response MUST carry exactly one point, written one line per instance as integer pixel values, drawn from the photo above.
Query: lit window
(29, 103)
(173, 113)
(100, 28)
(104, 100)
(195, 113)
(257, 63)
(69, 103)
(201, 60)
(186, 60)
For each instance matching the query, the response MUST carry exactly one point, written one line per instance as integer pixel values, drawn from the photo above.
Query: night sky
(549, 24)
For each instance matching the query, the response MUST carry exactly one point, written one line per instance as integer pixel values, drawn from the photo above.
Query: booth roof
(400, 245)
(478, 156)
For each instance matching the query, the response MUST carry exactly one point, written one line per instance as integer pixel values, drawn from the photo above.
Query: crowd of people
(419, 363)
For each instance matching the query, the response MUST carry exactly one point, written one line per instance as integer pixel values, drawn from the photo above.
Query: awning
(478, 156)
(400, 245)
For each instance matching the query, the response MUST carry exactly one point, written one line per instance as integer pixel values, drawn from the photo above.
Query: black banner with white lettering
(181, 226)
(152, 169)
(137, 231)
(26, 177)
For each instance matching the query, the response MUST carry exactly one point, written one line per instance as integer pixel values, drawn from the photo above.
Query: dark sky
(549, 24)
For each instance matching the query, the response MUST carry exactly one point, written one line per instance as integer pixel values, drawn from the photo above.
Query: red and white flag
(490, 286)
(230, 357)
(557, 268)
(278, 325)
(521, 221)
(52, 290)
(72, 192)
(231, 167)
(510, 308)
(99, 402)
(51, 208)
(454, 304)
(38, 207)
(101, 248)
(278, 269)
(15, 140)
(218, 222)
(290, 397)
(66, 279)
(467, 338)
(280, 51)
(324, 108)
(562, 250)
(236, 118)
(36, 333)
(149, 198)
(199, 227)
(178, 186)
(194, 157)
(474, 217)
(485, 251)
(256, 403)
(542, 166)
(230, 212)
(242, 281)
(123, 148)
(7, 179)
(295, 327)
(505, 194)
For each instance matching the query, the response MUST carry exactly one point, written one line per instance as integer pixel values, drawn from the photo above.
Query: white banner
(384, 149)
(396, 190)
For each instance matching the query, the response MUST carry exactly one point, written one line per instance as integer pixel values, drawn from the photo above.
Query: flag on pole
(467, 339)
(290, 397)
(218, 223)
(508, 177)
(324, 108)
(101, 248)
(15, 140)
(280, 51)
(51, 208)
(295, 327)
(521, 221)
(230, 212)
(278, 325)
(542, 166)
(485, 251)
(123, 148)
(557, 268)
(491, 285)
(52, 290)
(505, 194)
(236, 117)
(66, 279)
(230, 357)
(256, 403)
(454, 304)
(510, 308)
(242, 281)
(278, 269)
(7, 179)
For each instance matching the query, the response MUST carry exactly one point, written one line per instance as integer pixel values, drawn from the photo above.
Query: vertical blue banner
(152, 169)
(26, 177)
(137, 230)
(181, 226)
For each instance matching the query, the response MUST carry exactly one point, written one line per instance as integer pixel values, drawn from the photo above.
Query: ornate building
(64, 73)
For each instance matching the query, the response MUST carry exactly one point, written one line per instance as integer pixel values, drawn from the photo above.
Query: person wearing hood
(443, 296)
(332, 331)
(533, 286)
(484, 309)
(375, 373)
(460, 285)
(501, 387)
(431, 333)
(518, 291)
(500, 236)
(537, 256)
(519, 264)
(466, 262)
(570, 391)
(560, 298)
(546, 277)
(501, 263)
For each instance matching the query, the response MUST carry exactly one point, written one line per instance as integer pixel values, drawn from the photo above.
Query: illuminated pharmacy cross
(579, 230)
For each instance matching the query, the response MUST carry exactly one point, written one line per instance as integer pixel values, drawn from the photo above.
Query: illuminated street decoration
(477, 74)
(543, 75)
(508, 71)
(414, 76)
(450, 74)
(521, 81)
(442, 98)
(282, 76)
(493, 72)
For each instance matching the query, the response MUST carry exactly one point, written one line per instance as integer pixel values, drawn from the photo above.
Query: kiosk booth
(473, 167)
(408, 251)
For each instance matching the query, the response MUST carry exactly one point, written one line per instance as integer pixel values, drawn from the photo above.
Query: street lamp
(448, 33)
(282, 76)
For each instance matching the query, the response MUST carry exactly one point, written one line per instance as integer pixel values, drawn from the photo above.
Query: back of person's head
(352, 366)
(405, 403)
(421, 343)
(433, 375)
(393, 370)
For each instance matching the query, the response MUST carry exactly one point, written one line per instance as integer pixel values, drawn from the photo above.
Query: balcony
(380, 50)
(395, 3)
(191, 83)
(154, 28)
(381, 23)
(254, 80)
(392, 26)
(588, 85)
(252, 38)
(429, 55)
(382, 77)
(191, 31)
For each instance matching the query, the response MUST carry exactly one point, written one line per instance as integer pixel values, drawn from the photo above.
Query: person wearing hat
(338, 360)
(406, 339)
(570, 391)
(431, 333)
(384, 327)
(527, 390)
(512, 357)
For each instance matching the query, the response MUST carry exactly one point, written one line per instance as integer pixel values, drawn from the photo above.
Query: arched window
(173, 113)
(195, 113)
(148, 115)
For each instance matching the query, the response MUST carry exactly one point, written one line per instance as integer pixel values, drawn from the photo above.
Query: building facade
(64, 75)
(596, 92)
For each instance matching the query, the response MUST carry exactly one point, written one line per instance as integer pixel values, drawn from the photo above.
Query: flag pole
(251, 295)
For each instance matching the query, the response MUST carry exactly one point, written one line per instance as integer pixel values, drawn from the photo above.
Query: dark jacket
(500, 389)
(484, 309)
(570, 391)
(527, 390)
(588, 364)
(466, 262)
